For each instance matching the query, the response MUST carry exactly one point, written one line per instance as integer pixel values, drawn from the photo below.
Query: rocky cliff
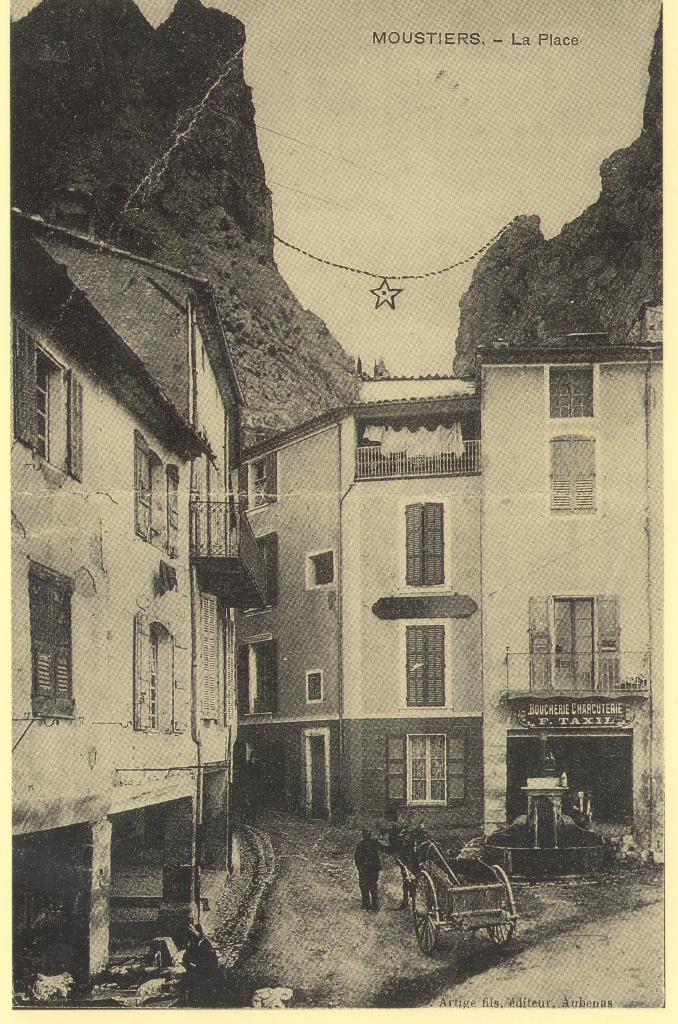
(596, 274)
(157, 127)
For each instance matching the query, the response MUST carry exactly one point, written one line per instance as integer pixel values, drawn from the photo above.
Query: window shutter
(158, 498)
(172, 511)
(244, 679)
(540, 644)
(396, 790)
(243, 483)
(607, 612)
(434, 549)
(24, 386)
(74, 426)
(142, 487)
(435, 666)
(210, 656)
(583, 472)
(272, 569)
(271, 676)
(456, 766)
(142, 669)
(230, 694)
(50, 614)
(180, 693)
(272, 477)
(573, 474)
(562, 498)
(416, 665)
(414, 543)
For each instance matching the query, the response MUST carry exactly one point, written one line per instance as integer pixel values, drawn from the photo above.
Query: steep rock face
(157, 126)
(596, 274)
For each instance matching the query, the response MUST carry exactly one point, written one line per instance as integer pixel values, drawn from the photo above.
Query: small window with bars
(427, 769)
(314, 687)
(50, 616)
(573, 474)
(571, 391)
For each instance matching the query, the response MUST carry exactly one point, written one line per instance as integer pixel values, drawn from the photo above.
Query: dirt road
(314, 937)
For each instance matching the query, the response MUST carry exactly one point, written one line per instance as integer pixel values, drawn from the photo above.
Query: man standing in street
(368, 863)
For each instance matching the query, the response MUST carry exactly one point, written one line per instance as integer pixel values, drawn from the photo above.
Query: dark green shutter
(434, 562)
(25, 410)
(456, 765)
(414, 543)
(396, 789)
(74, 426)
(540, 643)
(50, 614)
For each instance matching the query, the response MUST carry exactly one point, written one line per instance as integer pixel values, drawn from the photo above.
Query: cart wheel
(501, 934)
(425, 913)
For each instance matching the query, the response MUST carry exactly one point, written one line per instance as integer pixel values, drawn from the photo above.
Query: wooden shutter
(172, 511)
(50, 615)
(561, 476)
(272, 477)
(271, 676)
(434, 560)
(414, 544)
(396, 789)
(25, 410)
(435, 666)
(158, 501)
(74, 426)
(244, 679)
(230, 690)
(243, 484)
(416, 665)
(210, 656)
(607, 614)
(540, 643)
(181, 703)
(456, 765)
(583, 474)
(142, 671)
(142, 487)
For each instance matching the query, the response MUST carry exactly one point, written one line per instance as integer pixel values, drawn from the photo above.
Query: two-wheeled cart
(476, 896)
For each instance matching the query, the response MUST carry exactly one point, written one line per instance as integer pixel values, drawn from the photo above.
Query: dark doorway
(318, 778)
(601, 765)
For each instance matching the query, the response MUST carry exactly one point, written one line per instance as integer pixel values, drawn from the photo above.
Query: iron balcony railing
(371, 464)
(607, 672)
(220, 530)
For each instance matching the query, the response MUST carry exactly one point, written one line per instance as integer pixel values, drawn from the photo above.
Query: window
(320, 570)
(573, 476)
(211, 657)
(159, 702)
(47, 405)
(172, 511)
(574, 643)
(314, 687)
(427, 769)
(258, 677)
(571, 391)
(260, 480)
(50, 616)
(425, 666)
(425, 545)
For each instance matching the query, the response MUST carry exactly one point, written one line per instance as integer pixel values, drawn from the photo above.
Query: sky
(401, 159)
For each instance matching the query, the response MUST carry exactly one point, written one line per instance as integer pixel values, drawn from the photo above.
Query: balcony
(370, 464)
(619, 673)
(226, 553)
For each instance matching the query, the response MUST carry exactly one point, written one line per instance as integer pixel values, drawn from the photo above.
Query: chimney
(651, 324)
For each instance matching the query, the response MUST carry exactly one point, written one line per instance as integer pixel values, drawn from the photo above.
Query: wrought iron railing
(372, 464)
(220, 529)
(603, 672)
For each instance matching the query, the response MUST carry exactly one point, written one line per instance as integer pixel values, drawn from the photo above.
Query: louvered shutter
(181, 702)
(142, 670)
(396, 790)
(25, 409)
(435, 666)
(416, 665)
(272, 477)
(172, 511)
(158, 501)
(50, 612)
(434, 561)
(74, 426)
(271, 676)
(142, 487)
(210, 657)
(562, 489)
(583, 474)
(540, 643)
(414, 545)
(244, 679)
(230, 692)
(607, 613)
(456, 766)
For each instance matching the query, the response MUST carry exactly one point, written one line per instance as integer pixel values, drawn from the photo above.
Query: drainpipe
(195, 623)
(648, 588)
(340, 617)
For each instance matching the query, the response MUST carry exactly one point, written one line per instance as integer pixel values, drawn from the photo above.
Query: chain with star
(385, 294)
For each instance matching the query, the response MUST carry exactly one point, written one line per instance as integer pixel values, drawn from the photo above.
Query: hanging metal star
(385, 294)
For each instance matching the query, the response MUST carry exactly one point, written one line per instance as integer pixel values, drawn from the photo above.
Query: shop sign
(574, 713)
